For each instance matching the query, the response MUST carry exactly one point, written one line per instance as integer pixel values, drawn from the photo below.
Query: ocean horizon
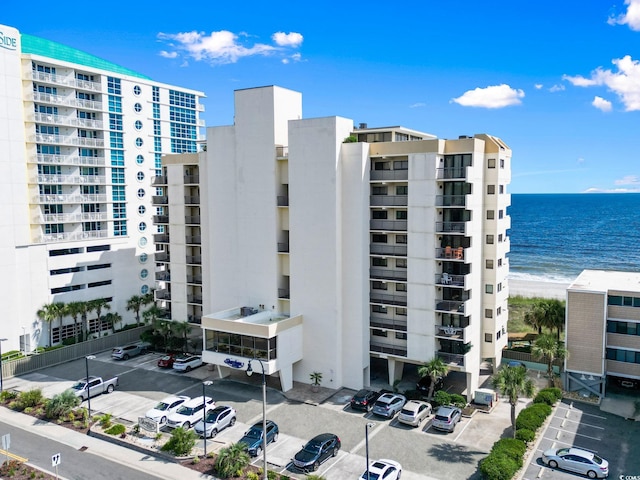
(554, 237)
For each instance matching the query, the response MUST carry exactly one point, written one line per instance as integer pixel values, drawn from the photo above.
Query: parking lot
(423, 452)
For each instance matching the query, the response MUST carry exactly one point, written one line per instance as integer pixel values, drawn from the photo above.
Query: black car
(364, 400)
(253, 437)
(317, 451)
(425, 382)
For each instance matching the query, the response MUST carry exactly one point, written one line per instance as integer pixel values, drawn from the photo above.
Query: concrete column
(473, 378)
(395, 370)
(366, 380)
(286, 377)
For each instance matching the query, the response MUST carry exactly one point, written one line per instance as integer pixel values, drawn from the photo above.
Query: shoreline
(532, 288)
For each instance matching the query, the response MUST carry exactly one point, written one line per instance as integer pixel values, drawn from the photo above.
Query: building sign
(8, 42)
(148, 424)
(233, 363)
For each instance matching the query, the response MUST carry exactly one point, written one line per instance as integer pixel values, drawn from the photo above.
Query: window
(144, 289)
(401, 215)
(143, 258)
(500, 213)
(498, 311)
(379, 190)
(379, 309)
(101, 266)
(144, 273)
(488, 264)
(142, 209)
(379, 262)
(501, 189)
(401, 263)
(500, 238)
(139, 142)
(499, 262)
(382, 166)
(142, 242)
(489, 239)
(378, 333)
(379, 238)
(379, 214)
(491, 163)
(401, 287)
(491, 214)
(142, 226)
(402, 239)
(140, 176)
(401, 311)
(488, 338)
(403, 190)
(379, 285)
(488, 288)
(491, 189)
(499, 287)
(502, 163)
(401, 336)
(140, 159)
(137, 107)
(401, 165)
(99, 248)
(137, 90)
(141, 194)
(138, 125)
(488, 313)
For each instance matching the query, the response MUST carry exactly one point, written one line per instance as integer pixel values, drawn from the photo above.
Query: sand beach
(529, 288)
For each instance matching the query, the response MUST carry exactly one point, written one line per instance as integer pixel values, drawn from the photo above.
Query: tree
(135, 303)
(434, 368)
(549, 348)
(163, 327)
(98, 305)
(113, 319)
(85, 309)
(534, 318)
(512, 382)
(554, 315)
(49, 313)
(183, 329)
(74, 310)
(232, 459)
(152, 314)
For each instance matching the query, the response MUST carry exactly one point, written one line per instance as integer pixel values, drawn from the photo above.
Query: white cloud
(611, 190)
(557, 88)
(628, 180)
(418, 105)
(538, 86)
(496, 96)
(601, 104)
(223, 47)
(292, 39)
(625, 83)
(631, 17)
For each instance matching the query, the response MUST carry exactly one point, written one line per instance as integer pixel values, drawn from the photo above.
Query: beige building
(603, 330)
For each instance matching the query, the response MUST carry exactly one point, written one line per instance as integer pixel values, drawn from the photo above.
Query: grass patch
(518, 306)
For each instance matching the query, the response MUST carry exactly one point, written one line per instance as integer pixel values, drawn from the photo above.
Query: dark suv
(317, 451)
(253, 437)
(425, 382)
(364, 400)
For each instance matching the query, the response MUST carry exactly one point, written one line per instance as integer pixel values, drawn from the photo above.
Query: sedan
(577, 460)
(217, 419)
(317, 451)
(186, 363)
(446, 418)
(364, 400)
(383, 469)
(389, 404)
(414, 412)
(190, 412)
(253, 437)
(165, 407)
(166, 361)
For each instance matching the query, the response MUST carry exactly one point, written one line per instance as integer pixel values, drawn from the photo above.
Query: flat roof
(605, 280)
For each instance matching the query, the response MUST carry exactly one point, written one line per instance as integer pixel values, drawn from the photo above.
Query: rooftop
(605, 280)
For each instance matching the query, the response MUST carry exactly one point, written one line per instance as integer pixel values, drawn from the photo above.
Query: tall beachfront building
(326, 245)
(81, 139)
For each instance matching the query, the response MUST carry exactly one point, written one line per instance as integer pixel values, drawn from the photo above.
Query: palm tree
(85, 309)
(534, 317)
(74, 310)
(134, 304)
(183, 329)
(152, 314)
(549, 348)
(48, 314)
(554, 315)
(164, 328)
(232, 459)
(113, 319)
(434, 368)
(512, 382)
(98, 305)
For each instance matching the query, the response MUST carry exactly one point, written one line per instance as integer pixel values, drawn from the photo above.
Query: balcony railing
(283, 201)
(194, 279)
(448, 173)
(159, 200)
(450, 306)
(197, 299)
(163, 276)
(194, 260)
(70, 236)
(160, 180)
(283, 293)
(451, 200)
(384, 249)
(161, 238)
(191, 179)
(192, 200)
(388, 323)
(451, 358)
(450, 253)
(450, 227)
(282, 152)
(388, 349)
(451, 333)
(449, 280)
(163, 294)
(386, 299)
(160, 219)
(388, 273)
(71, 198)
(162, 257)
(193, 239)
(389, 175)
(192, 219)
(72, 179)
(283, 247)
(391, 225)
(70, 160)
(389, 200)
(72, 217)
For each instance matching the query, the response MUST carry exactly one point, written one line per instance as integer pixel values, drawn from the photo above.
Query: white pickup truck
(94, 386)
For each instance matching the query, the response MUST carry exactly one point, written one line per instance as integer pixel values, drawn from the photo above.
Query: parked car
(253, 437)
(217, 419)
(389, 404)
(383, 469)
(364, 400)
(190, 412)
(166, 361)
(166, 407)
(424, 384)
(317, 451)
(92, 386)
(128, 351)
(186, 363)
(414, 412)
(577, 460)
(446, 418)
(516, 364)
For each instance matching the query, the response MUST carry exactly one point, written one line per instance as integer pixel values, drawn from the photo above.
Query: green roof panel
(47, 48)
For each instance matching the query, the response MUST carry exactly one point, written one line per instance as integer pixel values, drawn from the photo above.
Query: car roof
(383, 463)
(323, 437)
(195, 401)
(173, 398)
(259, 424)
(221, 408)
(446, 410)
(414, 404)
(581, 453)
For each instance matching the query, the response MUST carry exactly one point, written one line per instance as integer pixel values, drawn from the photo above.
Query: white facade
(81, 140)
(353, 239)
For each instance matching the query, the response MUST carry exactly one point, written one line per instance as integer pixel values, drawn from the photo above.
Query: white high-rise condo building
(326, 245)
(81, 139)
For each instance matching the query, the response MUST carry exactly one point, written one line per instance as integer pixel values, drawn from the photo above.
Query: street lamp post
(264, 415)
(1, 340)
(366, 442)
(204, 415)
(86, 364)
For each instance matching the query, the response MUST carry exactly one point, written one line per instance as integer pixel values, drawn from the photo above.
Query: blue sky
(558, 81)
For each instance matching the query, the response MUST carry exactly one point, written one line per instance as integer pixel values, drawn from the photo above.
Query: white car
(186, 363)
(383, 469)
(217, 419)
(190, 412)
(165, 407)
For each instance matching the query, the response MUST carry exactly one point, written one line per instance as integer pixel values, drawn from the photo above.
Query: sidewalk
(128, 457)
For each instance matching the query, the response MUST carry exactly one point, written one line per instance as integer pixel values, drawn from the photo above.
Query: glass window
(488, 338)
(144, 273)
(489, 239)
(138, 125)
(615, 300)
(142, 226)
(140, 159)
(144, 289)
(137, 90)
(401, 215)
(491, 214)
(488, 288)
(139, 142)
(491, 189)
(140, 176)
(491, 163)
(488, 313)
(143, 241)
(143, 258)
(141, 192)
(137, 107)
(142, 209)
(488, 264)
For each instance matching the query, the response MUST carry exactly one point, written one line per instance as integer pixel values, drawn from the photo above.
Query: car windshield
(185, 411)
(597, 459)
(407, 412)
(312, 447)
(162, 406)
(254, 433)
(79, 386)
(442, 418)
(165, 358)
(372, 476)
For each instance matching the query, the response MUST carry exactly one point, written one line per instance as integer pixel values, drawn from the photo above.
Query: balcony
(388, 225)
(388, 299)
(450, 306)
(449, 280)
(400, 175)
(283, 247)
(450, 227)
(71, 217)
(385, 249)
(160, 180)
(161, 238)
(47, 159)
(192, 200)
(192, 219)
(160, 219)
(194, 260)
(450, 253)
(282, 152)
(193, 239)
(71, 179)
(283, 201)
(388, 349)
(66, 237)
(451, 359)
(388, 323)
(197, 299)
(449, 173)
(163, 294)
(162, 257)
(70, 198)
(451, 333)
(194, 279)
(388, 273)
(163, 276)
(191, 179)
(451, 200)
(159, 200)
(389, 200)
(283, 293)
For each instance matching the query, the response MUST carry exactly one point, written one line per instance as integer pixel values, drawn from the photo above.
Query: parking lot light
(264, 415)
(204, 414)
(366, 442)
(86, 363)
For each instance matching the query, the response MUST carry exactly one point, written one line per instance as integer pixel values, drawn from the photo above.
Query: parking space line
(463, 429)
(580, 434)
(568, 409)
(581, 423)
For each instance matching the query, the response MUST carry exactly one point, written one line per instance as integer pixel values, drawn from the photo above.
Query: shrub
(442, 398)
(271, 475)
(545, 396)
(253, 476)
(117, 429)
(105, 420)
(533, 417)
(458, 400)
(498, 467)
(510, 447)
(232, 460)
(181, 442)
(555, 391)
(525, 435)
(8, 395)
(61, 405)
(196, 460)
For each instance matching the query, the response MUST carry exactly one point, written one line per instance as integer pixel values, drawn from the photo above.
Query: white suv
(186, 363)
(166, 407)
(190, 412)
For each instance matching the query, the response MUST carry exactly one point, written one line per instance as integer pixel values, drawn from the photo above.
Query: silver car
(577, 460)
(126, 352)
(414, 412)
(446, 418)
(217, 419)
(389, 404)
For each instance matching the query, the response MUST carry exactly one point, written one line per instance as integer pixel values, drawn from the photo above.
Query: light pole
(204, 415)
(1, 340)
(264, 415)
(86, 364)
(366, 442)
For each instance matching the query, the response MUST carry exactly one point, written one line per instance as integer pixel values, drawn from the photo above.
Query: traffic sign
(6, 441)
(55, 460)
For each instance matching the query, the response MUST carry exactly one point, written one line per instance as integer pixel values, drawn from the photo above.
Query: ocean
(556, 236)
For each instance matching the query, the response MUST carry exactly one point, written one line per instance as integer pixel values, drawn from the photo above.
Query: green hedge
(533, 417)
(525, 435)
(545, 397)
(498, 467)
